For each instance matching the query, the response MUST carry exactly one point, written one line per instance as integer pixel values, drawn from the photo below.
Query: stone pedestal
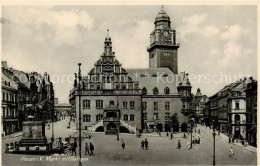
(33, 134)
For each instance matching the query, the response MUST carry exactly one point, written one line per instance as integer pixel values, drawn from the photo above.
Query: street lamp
(79, 93)
(214, 135)
(118, 129)
(191, 126)
(52, 128)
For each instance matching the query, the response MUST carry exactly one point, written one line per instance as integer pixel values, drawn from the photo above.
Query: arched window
(125, 117)
(86, 118)
(144, 91)
(166, 91)
(132, 117)
(99, 117)
(155, 91)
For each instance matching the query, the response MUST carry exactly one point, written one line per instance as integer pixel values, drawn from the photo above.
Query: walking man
(86, 149)
(146, 143)
(171, 136)
(179, 144)
(142, 144)
(91, 147)
(231, 152)
(73, 149)
(123, 144)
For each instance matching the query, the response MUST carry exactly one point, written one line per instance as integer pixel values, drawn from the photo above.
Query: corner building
(114, 99)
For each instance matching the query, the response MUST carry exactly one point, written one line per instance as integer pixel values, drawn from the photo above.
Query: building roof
(62, 105)
(156, 77)
(162, 15)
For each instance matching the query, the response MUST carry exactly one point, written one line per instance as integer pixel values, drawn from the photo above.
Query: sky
(215, 41)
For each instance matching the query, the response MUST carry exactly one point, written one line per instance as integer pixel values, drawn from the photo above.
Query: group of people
(89, 149)
(144, 144)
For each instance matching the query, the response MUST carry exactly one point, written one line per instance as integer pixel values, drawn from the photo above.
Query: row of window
(132, 117)
(87, 117)
(99, 104)
(8, 112)
(167, 105)
(156, 91)
(156, 116)
(8, 97)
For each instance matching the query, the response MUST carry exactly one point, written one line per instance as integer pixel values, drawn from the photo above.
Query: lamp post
(52, 128)
(214, 135)
(118, 129)
(79, 93)
(191, 128)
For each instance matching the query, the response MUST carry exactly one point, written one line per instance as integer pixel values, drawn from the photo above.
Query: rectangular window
(3, 96)
(99, 104)
(86, 104)
(124, 105)
(145, 115)
(167, 105)
(144, 105)
(167, 115)
(132, 105)
(237, 105)
(183, 106)
(155, 105)
(86, 118)
(155, 116)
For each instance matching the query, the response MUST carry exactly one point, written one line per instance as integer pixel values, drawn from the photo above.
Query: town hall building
(115, 99)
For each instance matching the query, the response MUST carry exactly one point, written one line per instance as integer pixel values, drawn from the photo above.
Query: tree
(175, 123)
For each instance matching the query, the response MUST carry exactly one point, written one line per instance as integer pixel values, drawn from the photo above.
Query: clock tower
(163, 50)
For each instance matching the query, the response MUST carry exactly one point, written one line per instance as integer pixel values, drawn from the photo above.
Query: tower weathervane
(107, 32)
(162, 7)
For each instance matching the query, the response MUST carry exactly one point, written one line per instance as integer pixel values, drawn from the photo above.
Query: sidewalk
(13, 135)
(225, 137)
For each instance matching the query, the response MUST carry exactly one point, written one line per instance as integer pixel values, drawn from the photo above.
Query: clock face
(165, 33)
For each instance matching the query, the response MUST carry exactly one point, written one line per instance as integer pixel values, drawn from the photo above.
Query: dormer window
(144, 91)
(155, 91)
(166, 91)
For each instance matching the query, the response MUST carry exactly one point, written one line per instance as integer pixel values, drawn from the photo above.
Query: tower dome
(162, 20)
(162, 16)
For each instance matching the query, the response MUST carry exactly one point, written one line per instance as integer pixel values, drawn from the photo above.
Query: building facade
(10, 118)
(229, 108)
(251, 112)
(112, 98)
(25, 89)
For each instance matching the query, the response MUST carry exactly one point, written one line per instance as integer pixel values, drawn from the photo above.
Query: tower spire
(107, 32)
(162, 7)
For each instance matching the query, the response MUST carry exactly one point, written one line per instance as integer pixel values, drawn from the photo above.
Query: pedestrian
(198, 131)
(231, 153)
(73, 149)
(146, 143)
(171, 136)
(188, 145)
(167, 134)
(86, 149)
(184, 136)
(123, 144)
(142, 144)
(179, 144)
(91, 147)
